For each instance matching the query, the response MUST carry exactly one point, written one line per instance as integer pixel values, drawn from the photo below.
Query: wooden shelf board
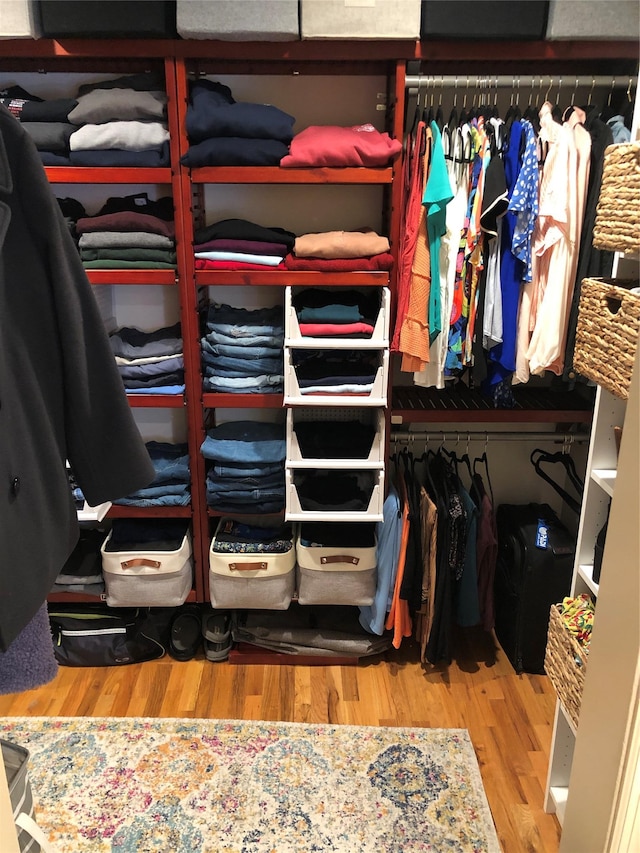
(149, 512)
(278, 175)
(242, 401)
(463, 405)
(559, 795)
(156, 401)
(586, 573)
(282, 278)
(101, 175)
(605, 478)
(133, 277)
(79, 597)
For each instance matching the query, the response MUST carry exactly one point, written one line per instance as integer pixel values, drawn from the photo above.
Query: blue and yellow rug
(132, 785)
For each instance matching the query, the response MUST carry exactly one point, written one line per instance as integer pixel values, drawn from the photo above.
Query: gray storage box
(360, 19)
(263, 580)
(147, 578)
(340, 575)
(238, 20)
(593, 19)
(19, 19)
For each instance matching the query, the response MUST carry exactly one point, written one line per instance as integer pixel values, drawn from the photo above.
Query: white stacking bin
(372, 457)
(593, 19)
(360, 19)
(336, 575)
(371, 482)
(147, 578)
(378, 340)
(377, 396)
(251, 580)
(238, 20)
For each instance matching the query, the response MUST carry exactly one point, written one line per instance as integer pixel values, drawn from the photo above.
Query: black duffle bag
(104, 636)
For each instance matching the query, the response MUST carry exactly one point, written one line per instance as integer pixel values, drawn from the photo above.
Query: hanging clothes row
(496, 236)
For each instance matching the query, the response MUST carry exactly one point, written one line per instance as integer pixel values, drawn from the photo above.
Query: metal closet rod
(463, 436)
(515, 81)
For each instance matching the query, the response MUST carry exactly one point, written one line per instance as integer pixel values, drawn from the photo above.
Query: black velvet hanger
(538, 457)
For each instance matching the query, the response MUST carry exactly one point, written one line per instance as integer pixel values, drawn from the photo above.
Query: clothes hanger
(539, 456)
(484, 460)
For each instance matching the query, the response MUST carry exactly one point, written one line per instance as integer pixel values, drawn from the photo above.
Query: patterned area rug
(227, 786)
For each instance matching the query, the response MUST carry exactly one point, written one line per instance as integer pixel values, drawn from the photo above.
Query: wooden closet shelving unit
(180, 58)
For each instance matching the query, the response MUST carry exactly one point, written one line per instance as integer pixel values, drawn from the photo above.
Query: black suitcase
(533, 571)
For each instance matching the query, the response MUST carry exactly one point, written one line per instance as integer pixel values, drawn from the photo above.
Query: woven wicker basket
(617, 225)
(565, 663)
(607, 333)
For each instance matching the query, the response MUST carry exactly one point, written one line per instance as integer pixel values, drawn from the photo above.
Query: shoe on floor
(218, 651)
(216, 626)
(184, 634)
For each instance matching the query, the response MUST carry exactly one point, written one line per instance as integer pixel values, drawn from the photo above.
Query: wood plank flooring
(509, 716)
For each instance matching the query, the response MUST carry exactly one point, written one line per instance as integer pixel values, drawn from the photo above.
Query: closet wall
(317, 82)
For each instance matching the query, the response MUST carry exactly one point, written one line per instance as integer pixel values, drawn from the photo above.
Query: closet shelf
(605, 478)
(586, 573)
(277, 175)
(465, 405)
(113, 175)
(148, 276)
(156, 401)
(149, 512)
(282, 278)
(79, 597)
(242, 401)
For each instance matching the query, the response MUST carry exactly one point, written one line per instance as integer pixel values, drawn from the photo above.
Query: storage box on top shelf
(19, 19)
(594, 19)
(238, 20)
(131, 19)
(360, 19)
(486, 19)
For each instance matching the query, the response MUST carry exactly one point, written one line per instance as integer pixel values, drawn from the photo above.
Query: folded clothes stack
(149, 362)
(340, 251)
(130, 232)
(238, 244)
(242, 350)
(246, 471)
(171, 484)
(46, 121)
(121, 122)
(336, 313)
(225, 132)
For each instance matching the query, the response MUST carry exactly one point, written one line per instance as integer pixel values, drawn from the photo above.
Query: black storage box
(132, 19)
(533, 571)
(484, 19)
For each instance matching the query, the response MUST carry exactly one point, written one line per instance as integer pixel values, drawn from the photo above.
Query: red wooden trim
(278, 175)
(156, 401)
(111, 175)
(522, 51)
(242, 401)
(132, 277)
(282, 278)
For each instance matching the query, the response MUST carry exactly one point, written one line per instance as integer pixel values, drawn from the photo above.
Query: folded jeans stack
(246, 474)
(171, 485)
(149, 362)
(242, 350)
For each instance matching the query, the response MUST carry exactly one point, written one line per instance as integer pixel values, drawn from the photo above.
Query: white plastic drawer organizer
(147, 578)
(251, 580)
(367, 355)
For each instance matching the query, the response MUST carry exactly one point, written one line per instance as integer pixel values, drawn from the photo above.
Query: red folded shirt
(204, 264)
(328, 145)
(375, 262)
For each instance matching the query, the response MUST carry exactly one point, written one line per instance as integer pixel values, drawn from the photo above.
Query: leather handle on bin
(340, 558)
(247, 567)
(140, 561)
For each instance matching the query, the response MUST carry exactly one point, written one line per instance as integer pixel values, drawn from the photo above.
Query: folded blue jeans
(245, 441)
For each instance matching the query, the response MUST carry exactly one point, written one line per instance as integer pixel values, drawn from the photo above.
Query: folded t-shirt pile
(120, 122)
(225, 132)
(330, 145)
(238, 244)
(149, 362)
(246, 471)
(335, 372)
(130, 232)
(336, 313)
(334, 491)
(46, 121)
(242, 350)
(170, 486)
(237, 537)
(340, 251)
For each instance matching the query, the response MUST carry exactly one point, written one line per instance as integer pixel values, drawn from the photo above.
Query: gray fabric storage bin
(19, 19)
(336, 575)
(15, 759)
(147, 578)
(360, 19)
(593, 19)
(251, 580)
(238, 20)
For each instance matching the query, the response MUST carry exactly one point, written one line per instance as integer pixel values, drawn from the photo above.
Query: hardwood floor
(509, 717)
